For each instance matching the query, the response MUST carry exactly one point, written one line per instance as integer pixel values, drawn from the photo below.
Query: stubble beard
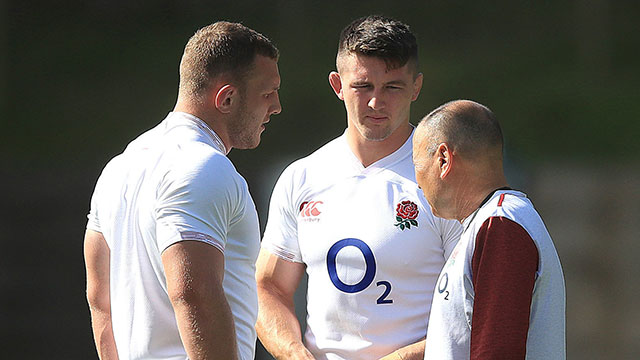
(243, 131)
(374, 134)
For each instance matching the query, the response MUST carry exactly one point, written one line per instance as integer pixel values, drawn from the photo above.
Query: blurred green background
(80, 79)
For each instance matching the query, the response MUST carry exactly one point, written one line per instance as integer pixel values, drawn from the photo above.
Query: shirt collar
(215, 139)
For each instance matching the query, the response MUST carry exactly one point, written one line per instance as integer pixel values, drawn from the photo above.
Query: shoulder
(112, 172)
(199, 157)
(508, 215)
(314, 166)
(511, 204)
(201, 169)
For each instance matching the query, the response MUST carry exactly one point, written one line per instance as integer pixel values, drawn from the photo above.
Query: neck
(474, 201)
(211, 119)
(471, 198)
(369, 151)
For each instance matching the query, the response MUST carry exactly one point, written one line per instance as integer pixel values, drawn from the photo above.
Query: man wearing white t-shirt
(173, 234)
(501, 294)
(352, 216)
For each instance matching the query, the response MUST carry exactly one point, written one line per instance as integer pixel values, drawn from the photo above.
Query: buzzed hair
(222, 48)
(381, 37)
(469, 127)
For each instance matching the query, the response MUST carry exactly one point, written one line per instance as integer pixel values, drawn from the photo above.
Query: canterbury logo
(310, 208)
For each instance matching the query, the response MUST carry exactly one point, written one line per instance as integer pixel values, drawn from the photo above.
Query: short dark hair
(469, 127)
(381, 37)
(222, 48)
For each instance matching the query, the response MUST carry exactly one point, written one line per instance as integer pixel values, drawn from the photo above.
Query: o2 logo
(442, 285)
(369, 273)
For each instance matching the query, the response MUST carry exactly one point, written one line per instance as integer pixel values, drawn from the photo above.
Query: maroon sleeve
(503, 268)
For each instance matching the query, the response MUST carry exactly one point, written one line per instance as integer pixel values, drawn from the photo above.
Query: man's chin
(249, 143)
(373, 135)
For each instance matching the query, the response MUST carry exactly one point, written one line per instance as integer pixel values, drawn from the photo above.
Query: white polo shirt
(371, 246)
(173, 183)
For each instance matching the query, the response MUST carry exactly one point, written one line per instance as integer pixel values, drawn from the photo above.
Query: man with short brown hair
(173, 233)
(351, 216)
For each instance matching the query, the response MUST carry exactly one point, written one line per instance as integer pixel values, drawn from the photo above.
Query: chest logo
(406, 214)
(309, 209)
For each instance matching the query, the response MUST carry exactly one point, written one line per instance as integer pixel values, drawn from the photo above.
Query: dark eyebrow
(365, 82)
(275, 86)
(397, 82)
(360, 82)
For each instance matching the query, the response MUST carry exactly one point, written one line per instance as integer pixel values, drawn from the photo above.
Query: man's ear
(417, 85)
(445, 159)
(225, 98)
(336, 84)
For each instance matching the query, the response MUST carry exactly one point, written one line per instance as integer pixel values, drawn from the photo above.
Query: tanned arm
(277, 326)
(194, 272)
(413, 351)
(96, 255)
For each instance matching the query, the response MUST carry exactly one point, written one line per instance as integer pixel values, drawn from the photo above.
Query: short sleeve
(100, 192)
(93, 222)
(281, 233)
(451, 231)
(198, 200)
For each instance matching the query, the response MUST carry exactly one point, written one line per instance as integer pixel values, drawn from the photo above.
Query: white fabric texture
(370, 282)
(173, 183)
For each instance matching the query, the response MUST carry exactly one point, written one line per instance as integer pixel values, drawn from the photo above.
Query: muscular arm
(96, 255)
(277, 326)
(194, 272)
(413, 351)
(504, 267)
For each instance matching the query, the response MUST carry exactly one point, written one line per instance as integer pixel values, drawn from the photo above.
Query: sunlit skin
(238, 110)
(378, 101)
(455, 184)
(439, 173)
(258, 101)
(424, 163)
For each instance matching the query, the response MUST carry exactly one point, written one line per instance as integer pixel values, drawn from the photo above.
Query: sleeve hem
(282, 253)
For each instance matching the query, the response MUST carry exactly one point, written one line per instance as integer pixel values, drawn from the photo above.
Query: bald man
(501, 293)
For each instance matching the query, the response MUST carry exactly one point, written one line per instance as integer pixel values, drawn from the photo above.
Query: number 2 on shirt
(369, 274)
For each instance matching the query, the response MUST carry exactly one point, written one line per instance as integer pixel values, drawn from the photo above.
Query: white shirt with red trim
(371, 246)
(501, 294)
(171, 184)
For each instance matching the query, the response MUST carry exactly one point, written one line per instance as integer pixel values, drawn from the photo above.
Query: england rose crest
(406, 214)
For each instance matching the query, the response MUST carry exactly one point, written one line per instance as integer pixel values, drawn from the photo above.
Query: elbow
(99, 301)
(188, 295)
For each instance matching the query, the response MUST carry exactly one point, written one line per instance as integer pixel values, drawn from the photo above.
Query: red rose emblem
(407, 210)
(406, 213)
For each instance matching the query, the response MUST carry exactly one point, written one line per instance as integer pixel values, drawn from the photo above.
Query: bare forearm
(97, 261)
(413, 351)
(206, 328)
(279, 329)
(103, 335)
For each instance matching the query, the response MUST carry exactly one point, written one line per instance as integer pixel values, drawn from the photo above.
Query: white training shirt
(370, 280)
(505, 224)
(173, 183)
